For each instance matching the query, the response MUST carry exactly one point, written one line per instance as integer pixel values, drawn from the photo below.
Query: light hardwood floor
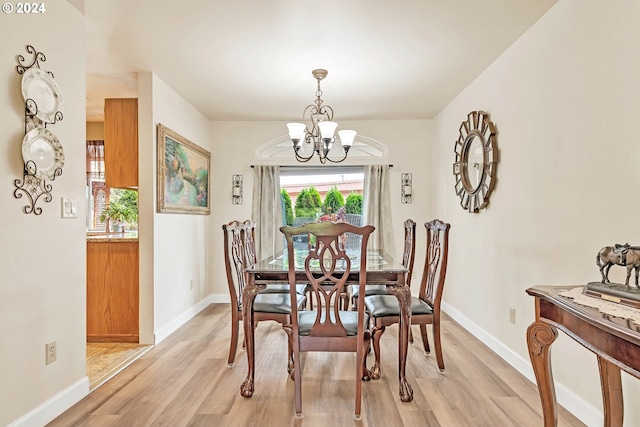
(104, 360)
(185, 381)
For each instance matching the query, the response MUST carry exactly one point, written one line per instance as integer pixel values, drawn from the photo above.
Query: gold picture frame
(183, 174)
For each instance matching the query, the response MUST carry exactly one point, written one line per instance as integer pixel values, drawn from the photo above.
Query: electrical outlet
(51, 352)
(191, 284)
(512, 316)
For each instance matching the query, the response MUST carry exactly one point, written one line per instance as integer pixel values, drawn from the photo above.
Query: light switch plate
(69, 207)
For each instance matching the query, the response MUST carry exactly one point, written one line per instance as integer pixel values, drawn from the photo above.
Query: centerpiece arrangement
(339, 216)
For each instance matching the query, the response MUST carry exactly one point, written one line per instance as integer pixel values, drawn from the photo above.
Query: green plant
(129, 198)
(117, 212)
(333, 201)
(288, 211)
(353, 204)
(315, 196)
(308, 203)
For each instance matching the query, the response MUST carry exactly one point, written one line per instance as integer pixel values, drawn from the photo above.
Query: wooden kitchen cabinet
(121, 142)
(112, 291)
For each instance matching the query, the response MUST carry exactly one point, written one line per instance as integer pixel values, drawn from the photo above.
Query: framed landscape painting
(183, 174)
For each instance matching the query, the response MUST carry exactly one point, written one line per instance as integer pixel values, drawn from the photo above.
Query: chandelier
(321, 134)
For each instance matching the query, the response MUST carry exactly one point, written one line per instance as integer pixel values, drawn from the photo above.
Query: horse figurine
(624, 255)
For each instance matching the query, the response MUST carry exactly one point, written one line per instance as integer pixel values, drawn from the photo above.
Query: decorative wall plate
(39, 86)
(44, 149)
(476, 161)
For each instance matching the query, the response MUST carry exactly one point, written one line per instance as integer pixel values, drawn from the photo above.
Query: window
(99, 195)
(310, 191)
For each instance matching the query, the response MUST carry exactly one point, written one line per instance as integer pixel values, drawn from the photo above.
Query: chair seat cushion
(370, 290)
(388, 305)
(349, 320)
(276, 303)
(277, 288)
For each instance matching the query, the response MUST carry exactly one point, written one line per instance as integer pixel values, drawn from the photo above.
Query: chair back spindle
(327, 284)
(234, 256)
(249, 240)
(409, 252)
(435, 266)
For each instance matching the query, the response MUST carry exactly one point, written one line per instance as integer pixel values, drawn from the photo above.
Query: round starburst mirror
(476, 161)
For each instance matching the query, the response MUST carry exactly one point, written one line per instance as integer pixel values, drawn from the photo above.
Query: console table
(614, 340)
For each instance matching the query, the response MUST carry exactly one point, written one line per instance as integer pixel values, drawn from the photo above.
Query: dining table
(382, 269)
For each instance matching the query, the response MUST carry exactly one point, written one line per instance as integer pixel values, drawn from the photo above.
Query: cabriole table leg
(612, 400)
(540, 336)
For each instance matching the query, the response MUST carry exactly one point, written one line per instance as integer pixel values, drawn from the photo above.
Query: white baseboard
(62, 401)
(51, 408)
(183, 318)
(573, 403)
(220, 299)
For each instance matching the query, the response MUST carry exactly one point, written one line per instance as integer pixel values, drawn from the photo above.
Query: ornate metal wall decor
(41, 150)
(476, 161)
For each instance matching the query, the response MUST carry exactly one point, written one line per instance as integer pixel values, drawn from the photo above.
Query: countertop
(101, 236)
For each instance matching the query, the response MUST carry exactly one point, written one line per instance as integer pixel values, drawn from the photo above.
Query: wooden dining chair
(425, 308)
(408, 257)
(326, 327)
(272, 306)
(249, 240)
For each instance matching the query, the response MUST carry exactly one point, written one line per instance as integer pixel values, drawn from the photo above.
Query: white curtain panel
(377, 207)
(266, 210)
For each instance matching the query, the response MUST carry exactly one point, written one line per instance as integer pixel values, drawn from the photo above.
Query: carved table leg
(290, 362)
(403, 293)
(249, 294)
(540, 336)
(377, 333)
(612, 400)
(366, 374)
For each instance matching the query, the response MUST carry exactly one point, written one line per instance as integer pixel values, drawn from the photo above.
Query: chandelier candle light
(321, 135)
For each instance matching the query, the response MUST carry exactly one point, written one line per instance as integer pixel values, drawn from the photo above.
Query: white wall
(176, 244)
(565, 99)
(43, 279)
(234, 152)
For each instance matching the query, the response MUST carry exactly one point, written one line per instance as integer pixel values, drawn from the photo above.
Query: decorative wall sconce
(236, 189)
(406, 188)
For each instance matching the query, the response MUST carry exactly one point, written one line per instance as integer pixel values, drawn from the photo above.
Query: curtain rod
(252, 166)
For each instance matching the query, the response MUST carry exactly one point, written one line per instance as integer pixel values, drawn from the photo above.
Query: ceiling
(252, 60)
